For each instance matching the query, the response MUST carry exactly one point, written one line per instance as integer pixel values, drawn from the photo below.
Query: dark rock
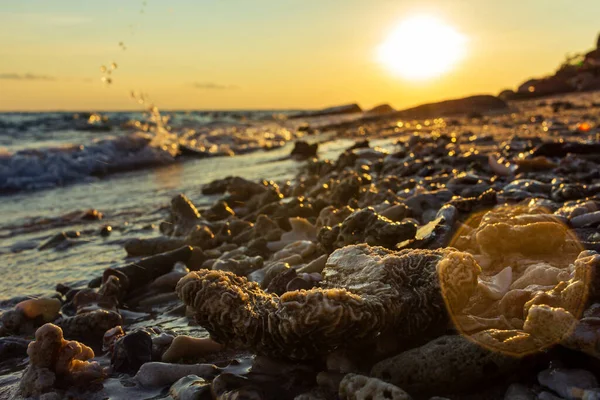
(482, 104)
(449, 364)
(91, 215)
(106, 231)
(13, 347)
(338, 110)
(381, 109)
(303, 150)
(217, 186)
(146, 270)
(131, 351)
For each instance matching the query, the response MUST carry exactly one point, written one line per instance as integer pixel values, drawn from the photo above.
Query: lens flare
(532, 284)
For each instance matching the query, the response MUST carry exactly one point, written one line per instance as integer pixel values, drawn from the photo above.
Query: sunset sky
(269, 54)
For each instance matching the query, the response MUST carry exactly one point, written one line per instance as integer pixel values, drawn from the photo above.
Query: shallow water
(131, 202)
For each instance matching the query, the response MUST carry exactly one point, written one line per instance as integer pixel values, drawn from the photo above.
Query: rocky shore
(462, 264)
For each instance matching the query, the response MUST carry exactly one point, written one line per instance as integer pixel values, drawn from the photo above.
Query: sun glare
(422, 47)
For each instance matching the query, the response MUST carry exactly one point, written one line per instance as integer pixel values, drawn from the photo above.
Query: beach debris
(55, 362)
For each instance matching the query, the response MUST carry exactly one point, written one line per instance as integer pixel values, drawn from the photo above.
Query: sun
(422, 47)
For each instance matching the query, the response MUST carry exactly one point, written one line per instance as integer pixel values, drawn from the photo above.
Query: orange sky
(268, 54)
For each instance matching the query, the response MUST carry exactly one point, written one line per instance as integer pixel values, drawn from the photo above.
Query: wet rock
(106, 230)
(182, 219)
(91, 215)
(152, 246)
(359, 387)
(517, 391)
(219, 211)
(217, 186)
(331, 216)
(58, 239)
(568, 383)
(279, 283)
(585, 337)
(346, 189)
(45, 308)
(229, 386)
(168, 281)
(561, 149)
(55, 362)
(303, 150)
(366, 226)
(453, 363)
(90, 325)
(156, 374)
(586, 220)
(187, 347)
(302, 229)
(265, 275)
(548, 396)
(315, 265)
(12, 321)
(148, 269)
(240, 317)
(132, 351)
(191, 387)
(13, 347)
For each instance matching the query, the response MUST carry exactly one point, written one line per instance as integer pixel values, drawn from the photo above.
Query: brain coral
(365, 290)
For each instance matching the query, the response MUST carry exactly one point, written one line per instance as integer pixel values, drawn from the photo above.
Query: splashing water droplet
(113, 66)
(103, 69)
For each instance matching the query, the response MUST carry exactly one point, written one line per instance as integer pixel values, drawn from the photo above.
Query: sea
(127, 166)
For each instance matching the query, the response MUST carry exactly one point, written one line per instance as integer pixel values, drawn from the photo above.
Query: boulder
(337, 110)
(480, 104)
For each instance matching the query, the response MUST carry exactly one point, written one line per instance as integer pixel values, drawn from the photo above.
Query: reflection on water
(168, 177)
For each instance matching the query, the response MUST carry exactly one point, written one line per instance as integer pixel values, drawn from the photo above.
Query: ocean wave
(33, 169)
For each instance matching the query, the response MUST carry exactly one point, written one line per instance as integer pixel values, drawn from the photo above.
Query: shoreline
(345, 235)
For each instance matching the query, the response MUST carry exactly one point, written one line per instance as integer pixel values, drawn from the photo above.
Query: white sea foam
(50, 167)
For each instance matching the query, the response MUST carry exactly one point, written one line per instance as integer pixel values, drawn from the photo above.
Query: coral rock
(453, 363)
(90, 325)
(359, 387)
(370, 289)
(535, 238)
(156, 374)
(366, 226)
(54, 361)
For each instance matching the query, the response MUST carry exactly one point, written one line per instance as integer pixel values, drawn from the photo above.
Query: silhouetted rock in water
(481, 104)
(303, 150)
(337, 110)
(580, 72)
(545, 87)
(592, 58)
(507, 94)
(381, 109)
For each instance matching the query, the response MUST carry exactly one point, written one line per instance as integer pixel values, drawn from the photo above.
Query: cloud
(212, 86)
(26, 77)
